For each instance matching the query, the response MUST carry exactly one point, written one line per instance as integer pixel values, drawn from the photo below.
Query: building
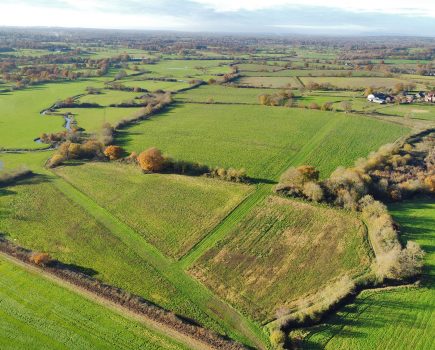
(380, 98)
(430, 97)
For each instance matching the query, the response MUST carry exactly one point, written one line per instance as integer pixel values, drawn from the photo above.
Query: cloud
(332, 27)
(425, 8)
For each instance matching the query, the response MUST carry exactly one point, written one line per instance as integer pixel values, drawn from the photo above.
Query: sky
(319, 17)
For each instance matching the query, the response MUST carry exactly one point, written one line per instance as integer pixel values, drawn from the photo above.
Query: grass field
(170, 211)
(223, 94)
(257, 267)
(395, 319)
(358, 82)
(91, 119)
(425, 112)
(38, 314)
(108, 97)
(312, 73)
(30, 216)
(260, 139)
(271, 82)
(20, 121)
(153, 85)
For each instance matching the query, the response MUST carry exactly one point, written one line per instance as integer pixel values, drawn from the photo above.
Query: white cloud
(404, 7)
(338, 27)
(84, 16)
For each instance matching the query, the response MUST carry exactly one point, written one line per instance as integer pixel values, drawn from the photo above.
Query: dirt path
(129, 314)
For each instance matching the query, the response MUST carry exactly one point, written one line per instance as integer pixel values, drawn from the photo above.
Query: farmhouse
(430, 97)
(380, 98)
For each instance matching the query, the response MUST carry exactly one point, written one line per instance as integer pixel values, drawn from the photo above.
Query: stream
(68, 121)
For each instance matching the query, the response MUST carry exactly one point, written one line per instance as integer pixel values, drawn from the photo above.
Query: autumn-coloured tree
(368, 91)
(151, 160)
(113, 152)
(42, 259)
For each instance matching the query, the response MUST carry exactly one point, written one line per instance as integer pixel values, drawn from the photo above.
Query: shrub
(113, 152)
(41, 259)
(151, 160)
(313, 191)
(56, 159)
(277, 339)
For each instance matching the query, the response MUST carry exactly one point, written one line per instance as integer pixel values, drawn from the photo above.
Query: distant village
(404, 97)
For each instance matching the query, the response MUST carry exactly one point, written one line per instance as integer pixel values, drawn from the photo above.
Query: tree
(113, 152)
(151, 160)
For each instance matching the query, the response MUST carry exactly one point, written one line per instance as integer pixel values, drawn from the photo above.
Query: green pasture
(400, 318)
(261, 139)
(92, 119)
(170, 211)
(38, 314)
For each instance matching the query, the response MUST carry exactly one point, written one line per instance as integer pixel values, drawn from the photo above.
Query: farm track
(158, 327)
(214, 307)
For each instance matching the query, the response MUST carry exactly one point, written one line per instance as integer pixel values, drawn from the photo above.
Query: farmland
(38, 314)
(398, 318)
(256, 137)
(173, 212)
(184, 205)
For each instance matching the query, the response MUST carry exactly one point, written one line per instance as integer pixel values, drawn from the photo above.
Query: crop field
(271, 82)
(153, 85)
(91, 119)
(172, 212)
(30, 216)
(264, 140)
(108, 97)
(38, 314)
(358, 82)
(395, 319)
(20, 119)
(223, 94)
(257, 266)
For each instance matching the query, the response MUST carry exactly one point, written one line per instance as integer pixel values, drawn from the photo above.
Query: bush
(42, 259)
(113, 152)
(313, 191)
(151, 160)
(277, 339)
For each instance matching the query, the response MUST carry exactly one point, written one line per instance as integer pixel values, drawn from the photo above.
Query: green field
(223, 94)
(108, 97)
(261, 139)
(20, 121)
(257, 267)
(358, 82)
(172, 212)
(30, 216)
(396, 319)
(38, 314)
(270, 82)
(91, 119)
(153, 85)
(413, 111)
